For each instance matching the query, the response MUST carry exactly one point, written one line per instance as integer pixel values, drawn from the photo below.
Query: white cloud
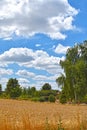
(45, 62)
(26, 57)
(17, 55)
(37, 77)
(7, 38)
(60, 49)
(23, 82)
(25, 73)
(46, 78)
(4, 72)
(27, 17)
(3, 82)
(38, 45)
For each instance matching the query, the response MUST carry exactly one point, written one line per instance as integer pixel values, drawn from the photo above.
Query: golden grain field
(27, 115)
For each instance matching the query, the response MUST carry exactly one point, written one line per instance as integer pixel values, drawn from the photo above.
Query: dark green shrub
(47, 92)
(63, 98)
(35, 99)
(51, 98)
(85, 99)
(42, 99)
(44, 93)
(23, 97)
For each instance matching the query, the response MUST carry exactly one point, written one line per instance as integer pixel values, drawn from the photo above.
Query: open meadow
(27, 115)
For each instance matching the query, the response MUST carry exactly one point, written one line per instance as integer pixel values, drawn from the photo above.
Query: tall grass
(25, 115)
(26, 124)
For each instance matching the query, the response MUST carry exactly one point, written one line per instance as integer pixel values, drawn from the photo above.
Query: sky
(35, 36)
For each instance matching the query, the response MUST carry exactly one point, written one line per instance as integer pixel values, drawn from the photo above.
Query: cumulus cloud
(15, 55)
(28, 17)
(3, 81)
(60, 49)
(23, 82)
(46, 77)
(36, 77)
(25, 73)
(4, 72)
(27, 57)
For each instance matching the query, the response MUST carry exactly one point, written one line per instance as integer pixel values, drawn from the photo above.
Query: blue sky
(34, 37)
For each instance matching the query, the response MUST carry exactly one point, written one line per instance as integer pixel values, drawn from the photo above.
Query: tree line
(14, 91)
(73, 82)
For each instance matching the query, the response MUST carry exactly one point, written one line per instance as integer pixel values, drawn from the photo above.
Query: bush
(35, 99)
(51, 98)
(85, 99)
(23, 97)
(44, 93)
(42, 99)
(47, 92)
(62, 98)
(5, 96)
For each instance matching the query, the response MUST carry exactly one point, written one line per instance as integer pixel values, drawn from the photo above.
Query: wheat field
(27, 115)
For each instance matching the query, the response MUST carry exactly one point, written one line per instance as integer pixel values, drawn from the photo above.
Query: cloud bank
(38, 59)
(29, 17)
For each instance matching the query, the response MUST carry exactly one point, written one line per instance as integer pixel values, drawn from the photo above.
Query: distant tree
(46, 86)
(29, 91)
(52, 98)
(33, 90)
(0, 89)
(13, 88)
(24, 91)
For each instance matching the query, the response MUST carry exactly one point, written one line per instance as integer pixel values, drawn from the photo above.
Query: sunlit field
(27, 115)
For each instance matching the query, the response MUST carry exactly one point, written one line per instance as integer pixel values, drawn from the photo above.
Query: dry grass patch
(26, 115)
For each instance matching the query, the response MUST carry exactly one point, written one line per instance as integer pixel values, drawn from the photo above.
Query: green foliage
(0, 89)
(60, 127)
(24, 91)
(23, 97)
(46, 86)
(74, 81)
(61, 81)
(5, 96)
(15, 92)
(33, 89)
(42, 99)
(51, 98)
(44, 93)
(63, 98)
(85, 99)
(13, 88)
(47, 92)
(35, 99)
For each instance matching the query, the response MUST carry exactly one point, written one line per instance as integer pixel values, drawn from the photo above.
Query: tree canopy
(46, 86)
(74, 83)
(13, 88)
